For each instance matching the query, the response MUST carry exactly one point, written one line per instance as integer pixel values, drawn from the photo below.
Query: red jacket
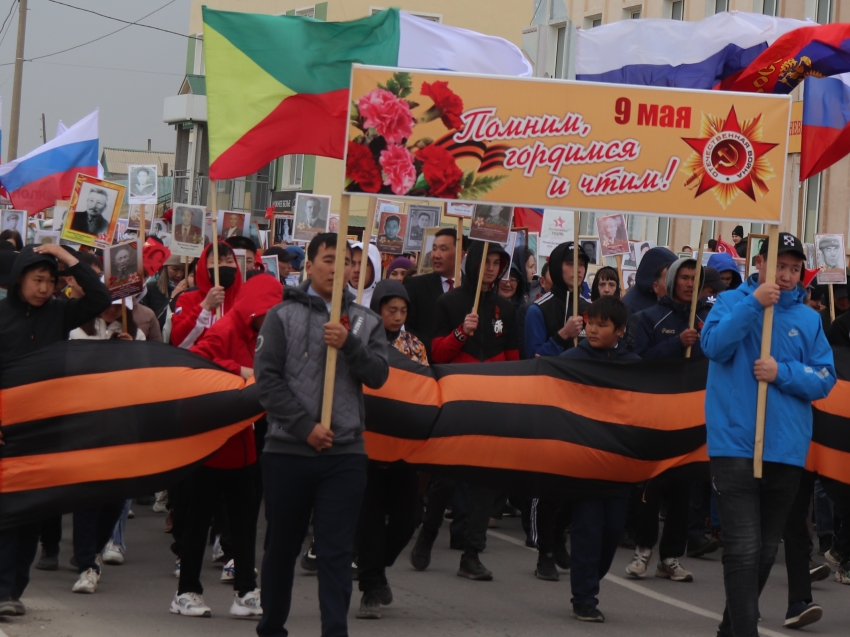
(231, 343)
(188, 306)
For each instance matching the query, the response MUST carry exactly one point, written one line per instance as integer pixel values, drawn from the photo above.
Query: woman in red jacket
(230, 473)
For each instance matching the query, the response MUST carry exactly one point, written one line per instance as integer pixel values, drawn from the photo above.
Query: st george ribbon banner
(563, 144)
(125, 419)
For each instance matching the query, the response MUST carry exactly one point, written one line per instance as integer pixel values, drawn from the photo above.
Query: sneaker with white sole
(833, 558)
(161, 504)
(228, 572)
(640, 561)
(217, 552)
(248, 606)
(113, 554)
(177, 568)
(842, 575)
(671, 569)
(87, 582)
(191, 605)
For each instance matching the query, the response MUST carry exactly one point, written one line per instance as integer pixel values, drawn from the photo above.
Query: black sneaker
(546, 569)
(20, 609)
(819, 572)
(370, 606)
(702, 546)
(562, 556)
(385, 595)
(308, 561)
(7, 607)
(472, 568)
(824, 543)
(49, 560)
(802, 614)
(420, 556)
(585, 613)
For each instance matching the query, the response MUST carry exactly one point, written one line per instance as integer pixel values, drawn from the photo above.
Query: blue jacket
(731, 338)
(723, 262)
(587, 352)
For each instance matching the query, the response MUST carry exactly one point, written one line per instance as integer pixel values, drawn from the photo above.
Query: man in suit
(91, 220)
(426, 289)
(313, 216)
(186, 232)
(233, 229)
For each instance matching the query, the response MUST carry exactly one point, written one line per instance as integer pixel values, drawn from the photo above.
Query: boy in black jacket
(32, 318)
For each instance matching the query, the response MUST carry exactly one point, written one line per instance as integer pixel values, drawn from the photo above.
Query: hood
(202, 277)
(258, 295)
(674, 271)
(374, 259)
(299, 254)
(651, 261)
(556, 269)
(386, 289)
(473, 263)
(724, 262)
(7, 266)
(25, 259)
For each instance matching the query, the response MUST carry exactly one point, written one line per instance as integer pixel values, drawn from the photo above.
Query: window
(770, 7)
(720, 6)
(292, 171)
(635, 14)
(823, 11)
(307, 12)
(678, 10)
(596, 22)
(812, 197)
(592, 21)
(559, 52)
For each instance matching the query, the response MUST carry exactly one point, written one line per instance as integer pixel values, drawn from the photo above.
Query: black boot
(49, 558)
(546, 569)
(472, 568)
(420, 556)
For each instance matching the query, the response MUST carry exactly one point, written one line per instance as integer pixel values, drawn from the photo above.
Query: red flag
(728, 248)
(809, 276)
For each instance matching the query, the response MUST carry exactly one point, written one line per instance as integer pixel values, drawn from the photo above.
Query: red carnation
(440, 171)
(447, 105)
(360, 166)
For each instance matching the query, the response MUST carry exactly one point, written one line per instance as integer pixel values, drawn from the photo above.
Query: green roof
(197, 84)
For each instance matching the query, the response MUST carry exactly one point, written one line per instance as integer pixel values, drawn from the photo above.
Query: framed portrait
(231, 223)
(159, 228)
(491, 223)
(272, 265)
(461, 210)
(60, 211)
(333, 223)
(590, 246)
(419, 219)
(391, 233)
(120, 231)
(424, 264)
(208, 227)
(14, 220)
(641, 248)
(830, 259)
(241, 257)
(283, 226)
(522, 237)
(754, 242)
(46, 237)
(93, 212)
(556, 228)
(136, 211)
(123, 271)
(312, 214)
(385, 205)
(613, 235)
(811, 258)
(187, 233)
(142, 183)
(592, 269)
(630, 260)
(33, 226)
(629, 276)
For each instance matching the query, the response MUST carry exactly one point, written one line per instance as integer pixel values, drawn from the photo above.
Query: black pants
(440, 493)
(92, 530)
(549, 522)
(331, 487)
(594, 536)
(752, 514)
(50, 531)
(206, 487)
(17, 552)
(674, 536)
(797, 543)
(387, 520)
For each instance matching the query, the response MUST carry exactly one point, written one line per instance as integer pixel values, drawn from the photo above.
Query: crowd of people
(363, 513)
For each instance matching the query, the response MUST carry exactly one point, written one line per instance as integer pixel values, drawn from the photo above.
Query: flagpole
(214, 204)
(15, 121)
(458, 251)
(695, 297)
(576, 221)
(367, 240)
(766, 334)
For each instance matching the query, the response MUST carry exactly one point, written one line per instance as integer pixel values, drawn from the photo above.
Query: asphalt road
(132, 600)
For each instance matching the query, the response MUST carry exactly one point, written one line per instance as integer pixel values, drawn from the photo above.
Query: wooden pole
(480, 277)
(367, 240)
(831, 304)
(620, 270)
(214, 205)
(458, 251)
(576, 221)
(124, 316)
(17, 82)
(697, 287)
(766, 333)
(336, 311)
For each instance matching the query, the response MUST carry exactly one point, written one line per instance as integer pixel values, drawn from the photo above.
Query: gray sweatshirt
(289, 367)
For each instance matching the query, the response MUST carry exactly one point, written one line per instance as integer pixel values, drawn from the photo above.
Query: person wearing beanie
(165, 287)
(399, 267)
(740, 241)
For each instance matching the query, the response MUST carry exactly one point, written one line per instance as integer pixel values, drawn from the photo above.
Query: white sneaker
(177, 568)
(161, 504)
(190, 604)
(113, 554)
(248, 606)
(671, 569)
(228, 572)
(637, 567)
(217, 552)
(87, 582)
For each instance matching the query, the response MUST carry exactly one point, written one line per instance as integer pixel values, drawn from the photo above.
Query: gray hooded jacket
(290, 369)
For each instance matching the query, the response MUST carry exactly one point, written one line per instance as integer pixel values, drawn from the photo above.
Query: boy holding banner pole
(792, 366)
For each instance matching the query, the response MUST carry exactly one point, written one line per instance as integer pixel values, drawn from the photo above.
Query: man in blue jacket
(799, 370)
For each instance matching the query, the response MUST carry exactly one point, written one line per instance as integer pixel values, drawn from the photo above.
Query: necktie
(451, 283)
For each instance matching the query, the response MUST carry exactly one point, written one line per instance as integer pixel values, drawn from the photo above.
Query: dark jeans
(332, 488)
(92, 530)
(700, 510)
(797, 546)
(17, 552)
(549, 522)
(387, 520)
(752, 514)
(594, 536)
(51, 532)
(480, 506)
(207, 487)
(440, 493)
(674, 537)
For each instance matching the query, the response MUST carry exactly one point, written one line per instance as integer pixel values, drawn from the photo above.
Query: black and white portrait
(311, 215)
(419, 219)
(95, 205)
(283, 228)
(142, 183)
(14, 220)
(491, 223)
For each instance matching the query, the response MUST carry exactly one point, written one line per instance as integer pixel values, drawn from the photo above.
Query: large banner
(560, 144)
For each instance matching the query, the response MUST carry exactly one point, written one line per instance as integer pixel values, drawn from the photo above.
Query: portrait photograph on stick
(14, 220)
(831, 262)
(123, 272)
(94, 208)
(187, 236)
(419, 219)
(391, 233)
(233, 224)
(491, 223)
(136, 211)
(283, 225)
(613, 238)
(142, 181)
(46, 237)
(460, 210)
(424, 265)
(312, 213)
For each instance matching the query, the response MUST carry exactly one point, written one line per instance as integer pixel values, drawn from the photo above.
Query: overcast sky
(127, 75)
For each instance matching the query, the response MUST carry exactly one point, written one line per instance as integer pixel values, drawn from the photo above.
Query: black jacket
(156, 300)
(586, 351)
(423, 292)
(838, 333)
(657, 333)
(25, 329)
(641, 295)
